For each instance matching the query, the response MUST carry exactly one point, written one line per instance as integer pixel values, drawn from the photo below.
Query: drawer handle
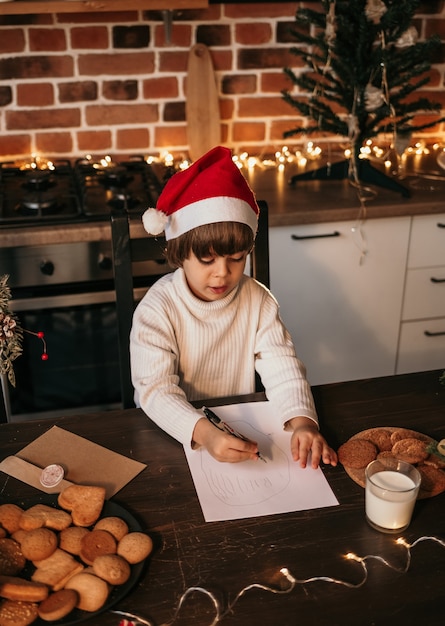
(428, 333)
(440, 225)
(437, 280)
(301, 237)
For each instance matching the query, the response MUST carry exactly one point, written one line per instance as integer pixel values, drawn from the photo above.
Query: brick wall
(72, 84)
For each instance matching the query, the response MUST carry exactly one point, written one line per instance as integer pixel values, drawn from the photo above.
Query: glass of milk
(390, 494)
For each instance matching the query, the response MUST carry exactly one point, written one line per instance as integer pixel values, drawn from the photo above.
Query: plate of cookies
(400, 443)
(65, 558)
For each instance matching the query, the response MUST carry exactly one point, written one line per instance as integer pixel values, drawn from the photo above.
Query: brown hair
(220, 238)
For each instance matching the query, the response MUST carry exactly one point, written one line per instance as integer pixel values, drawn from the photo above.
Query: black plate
(119, 592)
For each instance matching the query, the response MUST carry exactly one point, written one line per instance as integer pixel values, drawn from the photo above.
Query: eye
(238, 258)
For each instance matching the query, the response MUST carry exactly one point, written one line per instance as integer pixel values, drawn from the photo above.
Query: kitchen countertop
(306, 202)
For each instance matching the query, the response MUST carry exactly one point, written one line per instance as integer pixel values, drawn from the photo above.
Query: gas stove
(42, 191)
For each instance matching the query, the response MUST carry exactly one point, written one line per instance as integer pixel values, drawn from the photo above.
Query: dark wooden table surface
(225, 557)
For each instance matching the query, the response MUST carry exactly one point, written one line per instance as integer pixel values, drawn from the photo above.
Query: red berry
(40, 334)
(44, 356)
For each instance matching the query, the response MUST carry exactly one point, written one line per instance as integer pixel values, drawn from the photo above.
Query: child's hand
(223, 447)
(307, 438)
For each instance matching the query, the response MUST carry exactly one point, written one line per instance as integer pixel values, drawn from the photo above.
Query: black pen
(216, 421)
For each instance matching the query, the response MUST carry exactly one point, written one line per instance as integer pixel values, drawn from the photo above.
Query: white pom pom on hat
(154, 221)
(211, 190)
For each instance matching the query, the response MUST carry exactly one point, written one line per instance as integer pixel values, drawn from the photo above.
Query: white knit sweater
(184, 349)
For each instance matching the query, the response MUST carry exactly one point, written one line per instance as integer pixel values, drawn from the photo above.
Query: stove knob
(105, 262)
(47, 268)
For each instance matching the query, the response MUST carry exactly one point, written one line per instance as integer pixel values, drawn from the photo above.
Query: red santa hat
(211, 190)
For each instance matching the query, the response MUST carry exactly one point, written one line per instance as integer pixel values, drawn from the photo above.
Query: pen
(216, 421)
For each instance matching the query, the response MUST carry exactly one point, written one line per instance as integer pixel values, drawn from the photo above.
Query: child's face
(213, 277)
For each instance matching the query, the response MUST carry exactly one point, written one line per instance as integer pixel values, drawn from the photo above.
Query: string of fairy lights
(310, 153)
(406, 160)
(220, 611)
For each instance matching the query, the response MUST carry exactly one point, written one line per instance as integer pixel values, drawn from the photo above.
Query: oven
(66, 290)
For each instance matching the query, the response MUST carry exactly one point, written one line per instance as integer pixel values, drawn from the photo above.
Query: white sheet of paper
(228, 491)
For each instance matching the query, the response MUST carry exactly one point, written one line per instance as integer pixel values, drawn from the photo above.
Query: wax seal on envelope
(52, 475)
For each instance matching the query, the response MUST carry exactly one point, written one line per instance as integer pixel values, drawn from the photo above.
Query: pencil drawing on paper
(252, 483)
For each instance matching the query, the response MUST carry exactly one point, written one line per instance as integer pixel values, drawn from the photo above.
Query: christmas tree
(364, 64)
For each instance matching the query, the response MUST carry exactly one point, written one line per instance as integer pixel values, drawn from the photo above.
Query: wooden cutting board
(202, 104)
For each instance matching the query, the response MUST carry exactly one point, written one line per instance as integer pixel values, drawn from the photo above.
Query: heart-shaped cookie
(84, 502)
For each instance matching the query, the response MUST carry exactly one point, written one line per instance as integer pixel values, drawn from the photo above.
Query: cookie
(435, 458)
(43, 516)
(58, 604)
(386, 454)
(114, 525)
(112, 568)
(12, 560)
(92, 591)
(38, 544)
(10, 517)
(14, 613)
(135, 547)
(406, 433)
(410, 450)
(381, 438)
(70, 539)
(97, 543)
(18, 535)
(357, 453)
(56, 569)
(84, 502)
(15, 588)
(433, 480)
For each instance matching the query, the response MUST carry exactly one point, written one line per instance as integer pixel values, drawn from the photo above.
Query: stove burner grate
(132, 184)
(33, 195)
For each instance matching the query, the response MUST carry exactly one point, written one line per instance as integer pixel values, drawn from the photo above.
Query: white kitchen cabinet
(422, 332)
(343, 315)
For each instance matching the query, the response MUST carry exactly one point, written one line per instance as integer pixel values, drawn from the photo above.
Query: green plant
(11, 333)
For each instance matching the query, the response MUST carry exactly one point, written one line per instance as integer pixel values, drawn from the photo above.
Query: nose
(220, 266)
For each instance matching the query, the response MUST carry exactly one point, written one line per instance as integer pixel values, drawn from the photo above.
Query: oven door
(82, 371)
(67, 292)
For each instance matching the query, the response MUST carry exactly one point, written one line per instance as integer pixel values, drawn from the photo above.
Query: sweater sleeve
(282, 373)
(154, 374)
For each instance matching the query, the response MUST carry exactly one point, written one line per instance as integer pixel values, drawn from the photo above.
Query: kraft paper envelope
(84, 462)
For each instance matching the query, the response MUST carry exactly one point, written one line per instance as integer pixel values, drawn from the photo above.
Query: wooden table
(225, 557)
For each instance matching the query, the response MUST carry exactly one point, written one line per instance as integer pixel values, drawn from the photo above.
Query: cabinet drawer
(427, 242)
(422, 346)
(424, 293)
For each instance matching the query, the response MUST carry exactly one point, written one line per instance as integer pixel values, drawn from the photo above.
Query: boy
(202, 331)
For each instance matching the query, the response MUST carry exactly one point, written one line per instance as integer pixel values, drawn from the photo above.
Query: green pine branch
(360, 54)
(11, 333)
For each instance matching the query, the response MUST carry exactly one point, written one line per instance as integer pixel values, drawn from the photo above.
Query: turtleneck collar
(196, 303)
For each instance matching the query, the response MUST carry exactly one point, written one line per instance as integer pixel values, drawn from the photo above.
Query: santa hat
(211, 190)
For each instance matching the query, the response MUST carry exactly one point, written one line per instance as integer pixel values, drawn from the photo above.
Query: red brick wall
(72, 84)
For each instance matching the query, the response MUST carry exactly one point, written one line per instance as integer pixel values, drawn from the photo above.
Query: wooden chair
(127, 251)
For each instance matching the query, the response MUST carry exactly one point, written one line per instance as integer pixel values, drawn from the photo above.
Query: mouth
(218, 290)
